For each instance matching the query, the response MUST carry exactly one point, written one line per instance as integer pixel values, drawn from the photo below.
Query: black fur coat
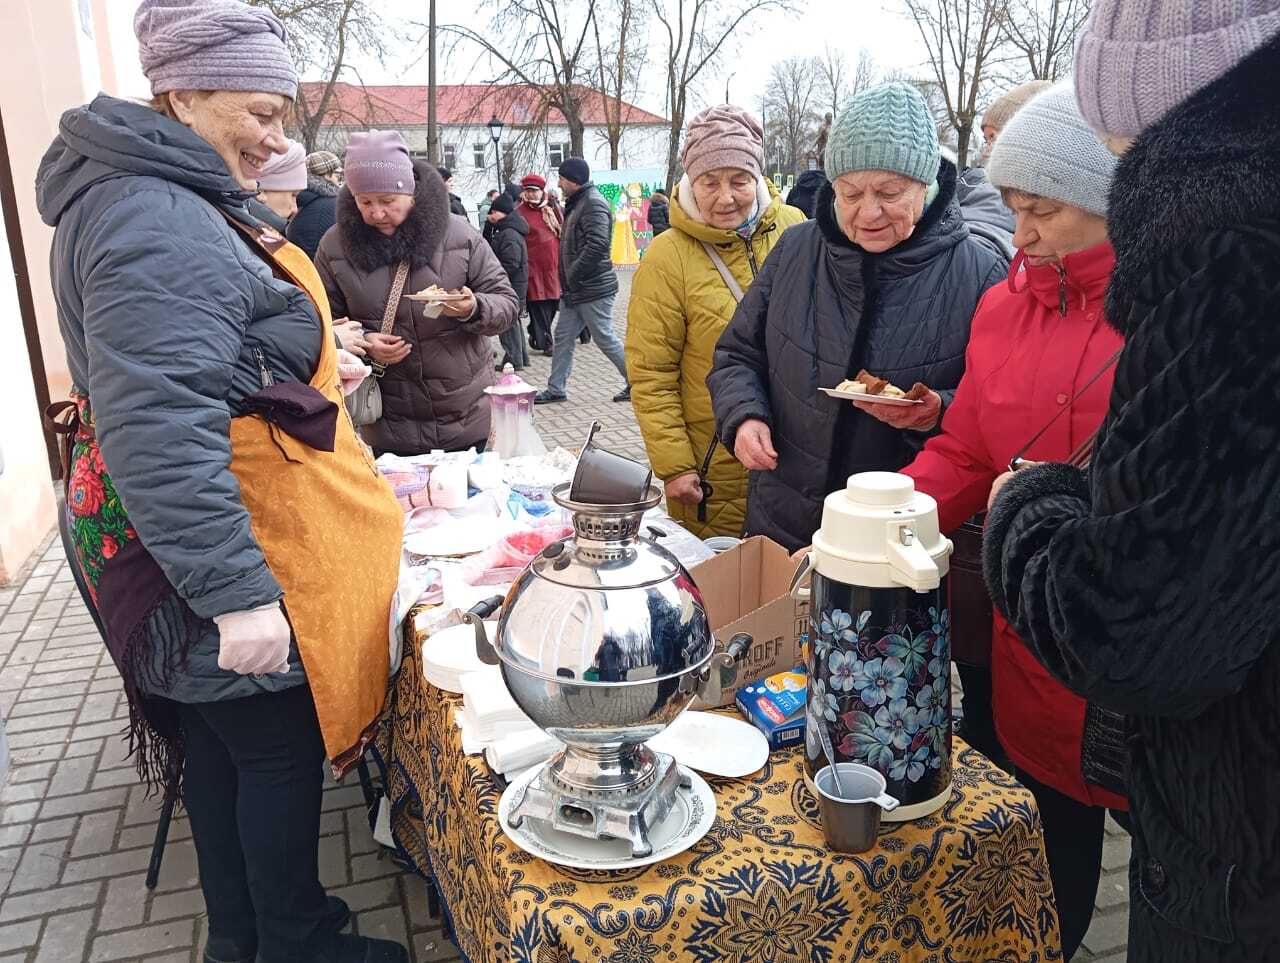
(1152, 585)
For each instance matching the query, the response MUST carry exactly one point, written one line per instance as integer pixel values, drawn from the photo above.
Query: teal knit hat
(886, 128)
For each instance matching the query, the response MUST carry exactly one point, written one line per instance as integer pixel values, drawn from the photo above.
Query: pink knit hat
(377, 162)
(285, 172)
(724, 136)
(1138, 59)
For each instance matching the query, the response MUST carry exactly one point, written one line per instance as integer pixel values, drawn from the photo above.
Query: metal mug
(851, 823)
(605, 478)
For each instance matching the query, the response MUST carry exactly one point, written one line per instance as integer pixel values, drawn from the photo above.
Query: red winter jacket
(1035, 342)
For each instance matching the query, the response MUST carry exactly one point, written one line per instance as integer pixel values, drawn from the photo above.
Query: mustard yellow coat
(679, 307)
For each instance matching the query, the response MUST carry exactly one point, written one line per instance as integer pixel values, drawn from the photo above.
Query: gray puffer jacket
(163, 305)
(820, 309)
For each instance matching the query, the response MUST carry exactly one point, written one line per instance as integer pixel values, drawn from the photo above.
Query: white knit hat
(1048, 149)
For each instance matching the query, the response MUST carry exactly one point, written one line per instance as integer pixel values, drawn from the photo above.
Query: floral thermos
(879, 653)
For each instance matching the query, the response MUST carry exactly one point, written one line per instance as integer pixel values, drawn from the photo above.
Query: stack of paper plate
(450, 654)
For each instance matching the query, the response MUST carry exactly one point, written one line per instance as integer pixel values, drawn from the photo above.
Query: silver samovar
(603, 641)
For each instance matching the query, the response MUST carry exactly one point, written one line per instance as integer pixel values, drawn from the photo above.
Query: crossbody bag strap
(729, 280)
(389, 313)
(736, 290)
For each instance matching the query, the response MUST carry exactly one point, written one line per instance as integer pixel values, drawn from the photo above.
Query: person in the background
(588, 285)
(680, 304)
(659, 213)
(208, 466)
(326, 165)
(1001, 111)
(984, 210)
(436, 366)
(508, 242)
(886, 278)
(804, 193)
(485, 207)
(317, 203)
(1149, 583)
(545, 224)
(455, 202)
(1037, 344)
(280, 180)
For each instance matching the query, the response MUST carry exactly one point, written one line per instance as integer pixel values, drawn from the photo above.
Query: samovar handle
(722, 669)
(475, 617)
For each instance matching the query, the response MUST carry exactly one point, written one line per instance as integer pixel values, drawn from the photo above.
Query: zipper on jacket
(751, 257)
(264, 373)
(1062, 290)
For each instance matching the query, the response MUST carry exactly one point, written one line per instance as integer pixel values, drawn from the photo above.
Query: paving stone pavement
(76, 829)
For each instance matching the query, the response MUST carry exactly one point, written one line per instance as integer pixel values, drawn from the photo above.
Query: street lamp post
(495, 131)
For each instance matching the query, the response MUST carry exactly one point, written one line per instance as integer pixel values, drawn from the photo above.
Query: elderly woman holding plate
(886, 278)
(395, 236)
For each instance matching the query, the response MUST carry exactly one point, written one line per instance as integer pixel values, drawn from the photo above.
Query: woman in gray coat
(202, 366)
(393, 211)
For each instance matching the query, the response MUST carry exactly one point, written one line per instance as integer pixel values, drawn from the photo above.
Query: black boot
(221, 949)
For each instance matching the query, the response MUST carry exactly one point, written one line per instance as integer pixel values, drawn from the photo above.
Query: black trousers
(252, 786)
(977, 721)
(542, 315)
(1073, 837)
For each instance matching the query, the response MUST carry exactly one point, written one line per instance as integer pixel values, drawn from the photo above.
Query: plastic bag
(503, 562)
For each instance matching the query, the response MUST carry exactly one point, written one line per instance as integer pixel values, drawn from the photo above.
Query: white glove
(351, 371)
(255, 641)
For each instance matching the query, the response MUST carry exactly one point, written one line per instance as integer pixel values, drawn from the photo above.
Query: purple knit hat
(213, 45)
(285, 172)
(377, 162)
(724, 136)
(1138, 59)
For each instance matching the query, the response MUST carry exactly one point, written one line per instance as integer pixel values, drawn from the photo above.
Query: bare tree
(323, 35)
(619, 67)
(840, 80)
(1043, 33)
(697, 33)
(542, 45)
(793, 97)
(964, 40)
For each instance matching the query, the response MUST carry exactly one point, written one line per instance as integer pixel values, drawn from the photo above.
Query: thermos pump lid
(879, 532)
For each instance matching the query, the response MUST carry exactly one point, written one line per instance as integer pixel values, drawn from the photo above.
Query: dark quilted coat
(317, 210)
(434, 398)
(820, 309)
(1151, 586)
(586, 271)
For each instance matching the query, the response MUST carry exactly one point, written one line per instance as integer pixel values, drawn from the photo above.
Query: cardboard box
(747, 589)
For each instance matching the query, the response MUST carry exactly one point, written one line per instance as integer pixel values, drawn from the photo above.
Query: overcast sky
(849, 25)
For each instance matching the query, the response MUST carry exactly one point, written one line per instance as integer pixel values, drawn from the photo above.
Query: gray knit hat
(886, 128)
(1048, 149)
(1002, 109)
(1138, 59)
(213, 45)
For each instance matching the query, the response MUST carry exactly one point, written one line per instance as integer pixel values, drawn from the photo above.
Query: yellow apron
(331, 530)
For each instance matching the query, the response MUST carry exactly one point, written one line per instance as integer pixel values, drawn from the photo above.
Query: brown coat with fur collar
(434, 398)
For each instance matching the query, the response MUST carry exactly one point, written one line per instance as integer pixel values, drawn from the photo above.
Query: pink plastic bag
(503, 562)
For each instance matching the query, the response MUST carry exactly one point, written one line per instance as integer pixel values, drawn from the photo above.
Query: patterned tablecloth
(969, 883)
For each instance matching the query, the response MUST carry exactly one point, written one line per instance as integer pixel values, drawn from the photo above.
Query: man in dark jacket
(588, 285)
(659, 212)
(805, 192)
(507, 238)
(455, 202)
(317, 210)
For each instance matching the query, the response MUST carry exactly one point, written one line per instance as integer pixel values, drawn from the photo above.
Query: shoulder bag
(365, 403)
